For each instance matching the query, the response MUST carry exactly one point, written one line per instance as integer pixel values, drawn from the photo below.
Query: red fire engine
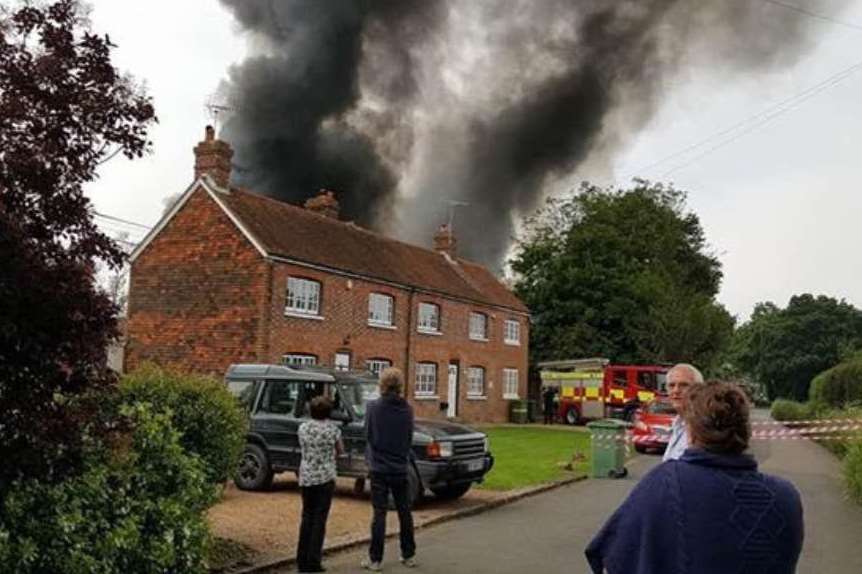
(594, 388)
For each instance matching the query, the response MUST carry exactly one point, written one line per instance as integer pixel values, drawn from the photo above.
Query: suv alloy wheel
(254, 472)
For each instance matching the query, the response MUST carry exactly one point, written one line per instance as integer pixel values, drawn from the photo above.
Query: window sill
(480, 340)
(511, 397)
(385, 326)
(477, 398)
(429, 332)
(513, 343)
(296, 315)
(426, 397)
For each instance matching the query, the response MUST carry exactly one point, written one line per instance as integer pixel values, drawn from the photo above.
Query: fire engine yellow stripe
(592, 392)
(568, 391)
(618, 393)
(644, 396)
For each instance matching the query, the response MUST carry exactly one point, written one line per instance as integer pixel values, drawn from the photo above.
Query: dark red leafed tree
(64, 109)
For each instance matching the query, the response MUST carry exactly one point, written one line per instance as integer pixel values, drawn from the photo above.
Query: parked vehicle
(652, 424)
(594, 389)
(448, 457)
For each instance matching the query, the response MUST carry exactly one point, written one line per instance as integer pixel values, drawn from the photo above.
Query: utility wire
(838, 78)
(769, 113)
(811, 14)
(117, 219)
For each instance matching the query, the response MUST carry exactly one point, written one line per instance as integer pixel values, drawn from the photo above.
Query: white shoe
(409, 562)
(367, 564)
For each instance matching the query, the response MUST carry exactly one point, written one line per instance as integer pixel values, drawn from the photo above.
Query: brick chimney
(212, 157)
(444, 241)
(324, 203)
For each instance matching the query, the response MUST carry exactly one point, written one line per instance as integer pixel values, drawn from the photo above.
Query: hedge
(786, 410)
(137, 507)
(209, 419)
(853, 471)
(839, 386)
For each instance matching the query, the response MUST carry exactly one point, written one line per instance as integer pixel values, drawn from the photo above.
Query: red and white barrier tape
(807, 422)
(823, 433)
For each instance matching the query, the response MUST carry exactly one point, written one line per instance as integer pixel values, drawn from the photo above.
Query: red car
(652, 424)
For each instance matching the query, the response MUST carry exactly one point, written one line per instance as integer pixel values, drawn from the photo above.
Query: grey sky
(778, 203)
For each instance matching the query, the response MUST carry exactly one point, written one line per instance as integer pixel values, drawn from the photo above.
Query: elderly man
(679, 379)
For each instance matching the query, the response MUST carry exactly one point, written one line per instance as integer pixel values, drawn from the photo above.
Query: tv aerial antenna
(452, 205)
(216, 107)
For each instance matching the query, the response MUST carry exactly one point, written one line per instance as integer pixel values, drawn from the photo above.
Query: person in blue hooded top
(709, 512)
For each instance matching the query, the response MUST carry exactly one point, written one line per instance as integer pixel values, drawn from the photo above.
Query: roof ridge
(351, 224)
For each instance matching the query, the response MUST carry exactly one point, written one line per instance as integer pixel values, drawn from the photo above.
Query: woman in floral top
(320, 441)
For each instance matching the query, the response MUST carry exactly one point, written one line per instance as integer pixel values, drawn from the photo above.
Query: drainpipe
(410, 304)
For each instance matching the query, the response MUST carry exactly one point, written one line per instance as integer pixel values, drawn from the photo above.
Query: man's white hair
(696, 375)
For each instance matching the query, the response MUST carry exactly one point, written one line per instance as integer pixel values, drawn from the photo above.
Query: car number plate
(474, 465)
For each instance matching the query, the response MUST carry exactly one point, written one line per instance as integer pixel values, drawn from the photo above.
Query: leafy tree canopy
(785, 348)
(64, 109)
(621, 273)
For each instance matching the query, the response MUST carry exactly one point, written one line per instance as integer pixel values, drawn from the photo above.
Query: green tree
(621, 273)
(785, 348)
(64, 109)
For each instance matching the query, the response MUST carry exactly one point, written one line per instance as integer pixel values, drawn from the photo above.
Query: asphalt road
(548, 532)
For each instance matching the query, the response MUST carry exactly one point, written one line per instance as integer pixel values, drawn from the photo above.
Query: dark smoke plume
(412, 103)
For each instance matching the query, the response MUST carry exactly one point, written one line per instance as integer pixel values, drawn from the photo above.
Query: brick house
(231, 276)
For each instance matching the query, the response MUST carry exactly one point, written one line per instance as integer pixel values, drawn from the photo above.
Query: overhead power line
(749, 124)
(815, 15)
(118, 220)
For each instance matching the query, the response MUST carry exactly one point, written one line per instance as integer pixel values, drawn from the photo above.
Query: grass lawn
(525, 456)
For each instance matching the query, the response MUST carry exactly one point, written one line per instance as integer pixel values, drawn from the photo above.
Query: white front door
(342, 361)
(452, 412)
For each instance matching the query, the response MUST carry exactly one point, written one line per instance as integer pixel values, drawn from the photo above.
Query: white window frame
(302, 297)
(299, 359)
(426, 380)
(377, 366)
(381, 317)
(428, 327)
(476, 334)
(510, 383)
(512, 332)
(476, 383)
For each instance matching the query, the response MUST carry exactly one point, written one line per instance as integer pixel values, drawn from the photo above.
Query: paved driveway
(548, 533)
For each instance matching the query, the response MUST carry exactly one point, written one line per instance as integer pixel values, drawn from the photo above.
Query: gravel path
(268, 522)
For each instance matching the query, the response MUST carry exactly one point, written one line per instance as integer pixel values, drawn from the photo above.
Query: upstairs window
(429, 318)
(478, 326)
(476, 382)
(380, 309)
(512, 332)
(299, 359)
(377, 366)
(426, 379)
(510, 383)
(303, 296)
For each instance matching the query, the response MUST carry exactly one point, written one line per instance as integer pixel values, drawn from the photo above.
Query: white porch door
(342, 361)
(452, 412)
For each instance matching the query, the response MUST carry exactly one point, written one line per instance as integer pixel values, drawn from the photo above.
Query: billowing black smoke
(411, 104)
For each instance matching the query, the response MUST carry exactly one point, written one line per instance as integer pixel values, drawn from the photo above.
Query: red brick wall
(344, 327)
(196, 293)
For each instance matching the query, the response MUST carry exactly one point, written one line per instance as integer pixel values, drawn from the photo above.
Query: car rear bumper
(442, 473)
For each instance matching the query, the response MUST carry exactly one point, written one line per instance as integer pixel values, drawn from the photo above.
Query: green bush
(211, 423)
(786, 410)
(853, 471)
(839, 386)
(138, 507)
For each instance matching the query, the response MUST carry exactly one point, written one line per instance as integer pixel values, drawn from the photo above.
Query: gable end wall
(196, 294)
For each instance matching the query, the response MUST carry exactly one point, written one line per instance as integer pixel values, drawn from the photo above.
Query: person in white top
(679, 378)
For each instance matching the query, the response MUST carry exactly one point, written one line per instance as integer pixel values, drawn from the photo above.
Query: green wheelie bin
(608, 448)
(518, 412)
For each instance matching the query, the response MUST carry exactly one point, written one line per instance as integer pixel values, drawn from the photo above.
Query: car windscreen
(359, 395)
(661, 408)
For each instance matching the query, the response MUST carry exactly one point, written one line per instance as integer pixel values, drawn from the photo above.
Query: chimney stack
(444, 241)
(324, 203)
(212, 157)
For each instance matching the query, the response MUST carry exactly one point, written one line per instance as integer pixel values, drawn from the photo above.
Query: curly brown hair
(717, 416)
